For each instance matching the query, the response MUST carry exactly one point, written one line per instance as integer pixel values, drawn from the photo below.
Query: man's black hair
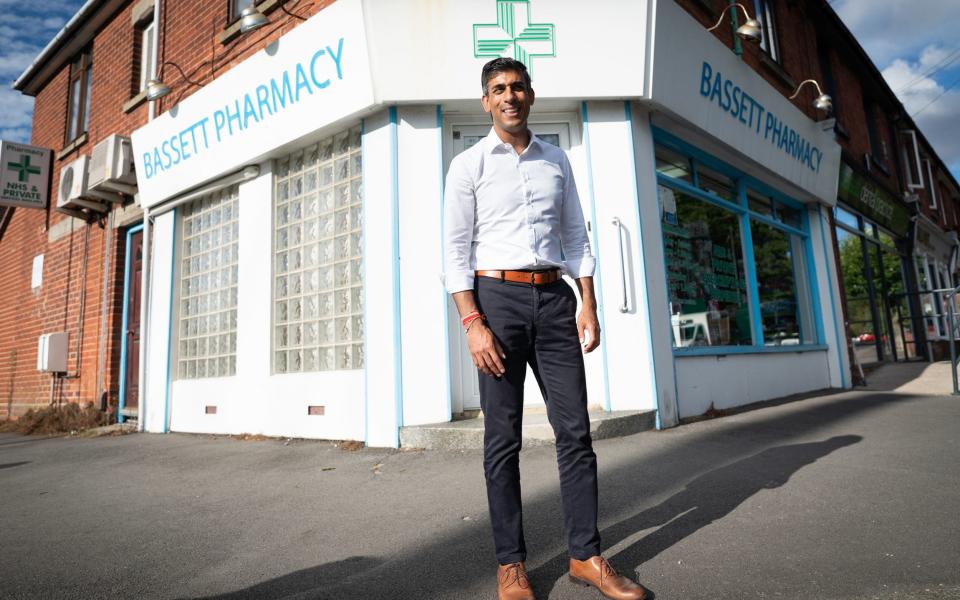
(501, 65)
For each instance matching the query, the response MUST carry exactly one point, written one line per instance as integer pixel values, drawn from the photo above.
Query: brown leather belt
(528, 277)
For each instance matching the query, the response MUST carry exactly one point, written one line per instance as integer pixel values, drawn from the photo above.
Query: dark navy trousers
(536, 325)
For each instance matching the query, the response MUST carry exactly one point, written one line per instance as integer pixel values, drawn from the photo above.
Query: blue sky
(914, 44)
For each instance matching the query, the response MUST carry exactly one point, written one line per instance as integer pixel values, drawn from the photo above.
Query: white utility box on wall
(52, 353)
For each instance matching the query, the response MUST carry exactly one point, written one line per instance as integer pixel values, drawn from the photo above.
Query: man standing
(512, 222)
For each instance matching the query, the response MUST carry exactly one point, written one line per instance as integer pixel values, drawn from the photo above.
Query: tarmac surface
(851, 495)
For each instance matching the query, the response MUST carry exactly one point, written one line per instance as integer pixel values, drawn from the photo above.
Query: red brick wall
(190, 36)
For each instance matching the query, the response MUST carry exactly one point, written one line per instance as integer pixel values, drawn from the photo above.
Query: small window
(237, 6)
(78, 100)
(146, 39)
(765, 15)
(878, 149)
(932, 186)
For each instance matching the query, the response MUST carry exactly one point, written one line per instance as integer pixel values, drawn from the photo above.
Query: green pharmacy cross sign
(513, 35)
(24, 168)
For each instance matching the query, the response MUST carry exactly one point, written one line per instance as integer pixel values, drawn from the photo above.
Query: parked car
(866, 338)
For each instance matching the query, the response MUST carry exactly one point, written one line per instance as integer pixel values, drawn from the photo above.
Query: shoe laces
(518, 574)
(606, 570)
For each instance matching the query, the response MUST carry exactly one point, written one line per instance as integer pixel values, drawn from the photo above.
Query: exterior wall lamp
(157, 89)
(822, 102)
(750, 31)
(251, 18)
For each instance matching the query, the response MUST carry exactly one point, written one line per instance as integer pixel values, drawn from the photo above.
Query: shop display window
(317, 270)
(208, 287)
(705, 274)
(735, 254)
(779, 259)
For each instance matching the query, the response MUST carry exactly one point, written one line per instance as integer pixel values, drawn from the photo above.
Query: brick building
(722, 283)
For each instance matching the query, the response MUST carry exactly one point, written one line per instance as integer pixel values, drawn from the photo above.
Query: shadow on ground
(717, 482)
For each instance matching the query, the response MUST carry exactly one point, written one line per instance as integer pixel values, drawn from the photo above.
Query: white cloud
(890, 29)
(27, 28)
(939, 116)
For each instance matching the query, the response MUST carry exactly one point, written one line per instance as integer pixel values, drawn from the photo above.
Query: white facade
(415, 97)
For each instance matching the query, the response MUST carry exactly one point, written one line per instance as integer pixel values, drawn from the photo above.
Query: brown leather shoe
(512, 583)
(597, 572)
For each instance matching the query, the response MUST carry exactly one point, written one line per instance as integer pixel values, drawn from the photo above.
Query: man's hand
(589, 328)
(485, 350)
(587, 324)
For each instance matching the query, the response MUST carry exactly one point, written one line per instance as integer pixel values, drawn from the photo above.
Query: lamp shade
(823, 102)
(156, 89)
(750, 31)
(251, 18)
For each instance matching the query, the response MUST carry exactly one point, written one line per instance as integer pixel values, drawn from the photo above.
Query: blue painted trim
(677, 144)
(395, 259)
(642, 279)
(813, 284)
(841, 348)
(750, 264)
(666, 291)
(446, 299)
(173, 258)
(585, 117)
(363, 267)
(124, 321)
(739, 209)
(724, 350)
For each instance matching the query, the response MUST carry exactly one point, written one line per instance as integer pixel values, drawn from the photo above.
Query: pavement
(852, 495)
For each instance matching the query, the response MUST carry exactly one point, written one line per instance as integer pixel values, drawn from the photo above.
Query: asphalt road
(847, 496)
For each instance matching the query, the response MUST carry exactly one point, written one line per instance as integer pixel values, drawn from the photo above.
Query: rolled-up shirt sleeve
(459, 213)
(577, 257)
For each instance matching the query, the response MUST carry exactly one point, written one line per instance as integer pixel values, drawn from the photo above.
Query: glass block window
(208, 287)
(318, 283)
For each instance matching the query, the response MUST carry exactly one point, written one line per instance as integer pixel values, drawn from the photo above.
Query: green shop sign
(872, 201)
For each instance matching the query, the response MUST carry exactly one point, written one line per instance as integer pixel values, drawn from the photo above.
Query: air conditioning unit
(52, 353)
(112, 167)
(73, 195)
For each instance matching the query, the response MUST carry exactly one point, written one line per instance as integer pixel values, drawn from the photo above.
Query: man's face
(508, 100)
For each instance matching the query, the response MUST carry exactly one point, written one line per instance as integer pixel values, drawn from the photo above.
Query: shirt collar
(493, 141)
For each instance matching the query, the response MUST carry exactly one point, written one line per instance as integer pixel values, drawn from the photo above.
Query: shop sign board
(571, 48)
(24, 175)
(314, 75)
(873, 201)
(698, 79)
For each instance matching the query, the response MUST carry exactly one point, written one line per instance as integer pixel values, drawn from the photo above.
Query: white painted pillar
(156, 365)
(382, 313)
(423, 299)
(828, 288)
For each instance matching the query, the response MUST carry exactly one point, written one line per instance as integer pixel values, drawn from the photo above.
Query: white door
(464, 378)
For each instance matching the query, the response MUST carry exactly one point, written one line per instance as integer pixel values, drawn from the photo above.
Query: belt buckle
(533, 278)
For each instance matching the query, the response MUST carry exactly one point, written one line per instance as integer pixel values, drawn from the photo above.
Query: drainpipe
(734, 24)
(144, 320)
(102, 344)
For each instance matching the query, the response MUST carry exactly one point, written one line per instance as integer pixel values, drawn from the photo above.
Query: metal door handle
(623, 269)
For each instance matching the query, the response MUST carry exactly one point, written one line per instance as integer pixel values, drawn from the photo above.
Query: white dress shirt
(508, 211)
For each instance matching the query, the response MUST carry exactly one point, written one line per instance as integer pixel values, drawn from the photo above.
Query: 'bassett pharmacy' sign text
(733, 99)
(255, 107)
(315, 76)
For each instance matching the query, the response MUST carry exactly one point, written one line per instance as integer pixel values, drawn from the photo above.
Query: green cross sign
(24, 167)
(513, 35)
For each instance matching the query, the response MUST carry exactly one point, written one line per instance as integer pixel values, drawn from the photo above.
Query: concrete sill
(72, 146)
(134, 102)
